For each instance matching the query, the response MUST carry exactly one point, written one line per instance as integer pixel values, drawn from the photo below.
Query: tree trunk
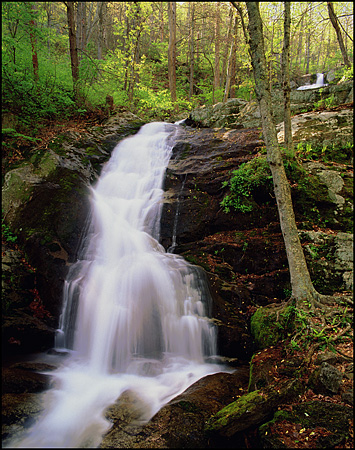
(216, 79)
(172, 50)
(73, 50)
(230, 64)
(227, 48)
(32, 26)
(102, 10)
(285, 65)
(234, 61)
(333, 18)
(302, 287)
(191, 43)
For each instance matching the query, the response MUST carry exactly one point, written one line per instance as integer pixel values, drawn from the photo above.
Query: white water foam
(134, 317)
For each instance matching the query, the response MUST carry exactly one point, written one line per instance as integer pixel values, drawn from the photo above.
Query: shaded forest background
(63, 60)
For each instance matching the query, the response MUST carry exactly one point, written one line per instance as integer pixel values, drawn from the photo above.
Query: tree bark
(333, 18)
(172, 50)
(286, 76)
(191, 44)
(73, 50)
(216, 79)
(230, 62)
(302, 287)
(34, 46)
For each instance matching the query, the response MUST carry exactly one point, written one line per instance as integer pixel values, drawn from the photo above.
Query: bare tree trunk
(73, 50)
(216, 79)
(191, 43)
(172, 50)
(234, 61)
(333, 18)
(286, 76)
(161, 25)
(102, 10)
(227, 48)
(230, 64)
(302, 287)
(34, 46)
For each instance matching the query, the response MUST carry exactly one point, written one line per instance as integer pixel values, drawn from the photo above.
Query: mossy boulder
(268, 327)
(252, 409)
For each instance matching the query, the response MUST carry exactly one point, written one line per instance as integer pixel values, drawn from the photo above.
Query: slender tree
(216, 79)
(285, 65)
(73, 49)
(32, 27)
(191, 45)
(302, 287)
(172, 50)
(334, 20)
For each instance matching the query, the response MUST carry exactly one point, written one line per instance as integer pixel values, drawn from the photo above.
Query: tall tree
(32, 31)
(73, 49)
(172, 50)
(302, 287)
(231, 60)
(191, 45)
(216, 79)
(285, 67)
(334, 20)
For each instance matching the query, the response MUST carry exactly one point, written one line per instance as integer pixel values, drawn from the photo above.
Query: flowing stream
(134, 316)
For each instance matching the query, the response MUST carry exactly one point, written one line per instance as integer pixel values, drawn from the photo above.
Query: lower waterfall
(134, 316)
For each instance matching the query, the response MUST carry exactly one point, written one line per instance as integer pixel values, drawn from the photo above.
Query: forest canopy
(122, 52)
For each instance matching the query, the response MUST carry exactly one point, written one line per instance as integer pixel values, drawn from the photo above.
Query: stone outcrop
(236, 113)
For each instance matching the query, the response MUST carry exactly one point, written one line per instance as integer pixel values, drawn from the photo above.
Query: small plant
(8, 234)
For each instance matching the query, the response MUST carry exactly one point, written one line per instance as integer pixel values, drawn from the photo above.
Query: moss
(267, 330)
(263, 328)
(233, 410)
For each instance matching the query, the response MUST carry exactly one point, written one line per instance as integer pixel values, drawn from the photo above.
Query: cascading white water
(319, 83)
(134, 316)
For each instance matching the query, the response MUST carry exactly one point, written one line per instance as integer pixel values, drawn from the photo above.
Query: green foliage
(248, 177)
(6, 232)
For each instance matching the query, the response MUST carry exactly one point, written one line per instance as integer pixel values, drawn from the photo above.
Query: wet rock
(180, 423)
(19, 411)
(326, 379)
(18, 381)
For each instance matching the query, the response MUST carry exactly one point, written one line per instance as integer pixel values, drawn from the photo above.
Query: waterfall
(319, 83)
(320, 79)
(134, 316)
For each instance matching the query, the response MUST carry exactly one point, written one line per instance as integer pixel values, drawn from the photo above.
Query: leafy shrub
(243, 183)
